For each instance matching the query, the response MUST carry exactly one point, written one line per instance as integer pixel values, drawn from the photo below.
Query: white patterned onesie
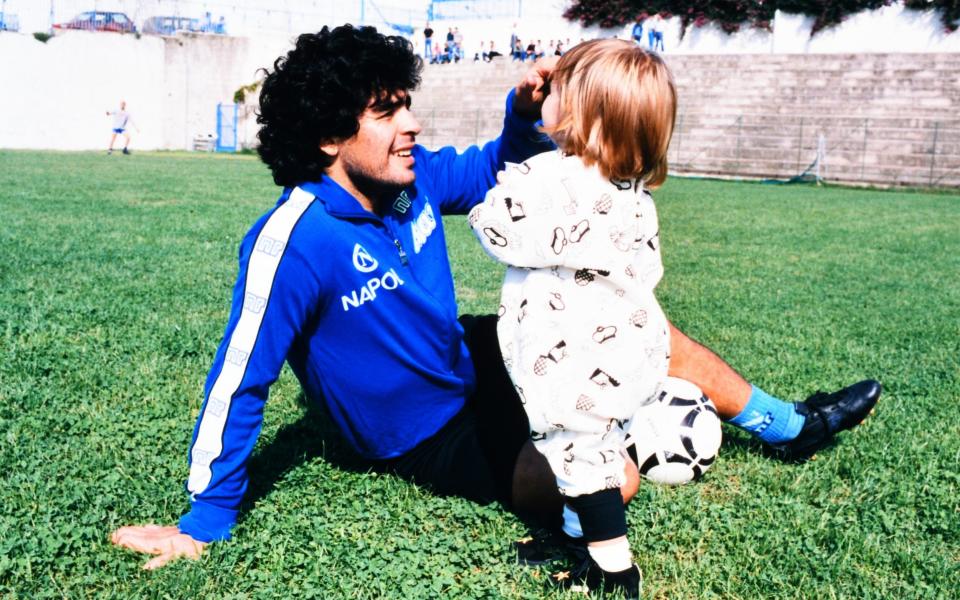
(581, 332)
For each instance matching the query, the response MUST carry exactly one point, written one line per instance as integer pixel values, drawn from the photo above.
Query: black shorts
(474, 455)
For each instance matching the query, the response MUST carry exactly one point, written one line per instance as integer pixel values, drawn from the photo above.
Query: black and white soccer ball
(677, 437)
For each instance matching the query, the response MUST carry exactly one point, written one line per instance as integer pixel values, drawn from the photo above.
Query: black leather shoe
(589, 578)
(826, 415)
(546, 546)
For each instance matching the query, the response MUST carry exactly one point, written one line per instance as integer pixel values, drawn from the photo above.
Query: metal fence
(907, 151)
(474, 9)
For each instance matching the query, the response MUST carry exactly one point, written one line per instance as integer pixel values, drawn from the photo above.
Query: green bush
(42, 36)
(240, 96)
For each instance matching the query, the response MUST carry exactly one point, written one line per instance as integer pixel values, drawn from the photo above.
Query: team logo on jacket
(362, 261)
(389, 281)
(422, 227)
(402, 203)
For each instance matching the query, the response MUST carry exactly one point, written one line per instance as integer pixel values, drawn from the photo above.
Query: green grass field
(114, 286)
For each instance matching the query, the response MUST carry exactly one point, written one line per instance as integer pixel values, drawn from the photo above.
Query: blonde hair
(618, 105)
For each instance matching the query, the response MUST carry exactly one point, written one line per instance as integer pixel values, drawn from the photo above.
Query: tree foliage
(731, 15)
(949, 10)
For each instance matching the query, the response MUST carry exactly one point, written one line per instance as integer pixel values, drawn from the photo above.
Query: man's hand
(530, 92)
(167, 543)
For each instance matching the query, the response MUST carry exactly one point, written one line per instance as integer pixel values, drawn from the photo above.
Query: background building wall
(55, 95)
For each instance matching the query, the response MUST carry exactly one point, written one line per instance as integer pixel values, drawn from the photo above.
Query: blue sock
(770, 419)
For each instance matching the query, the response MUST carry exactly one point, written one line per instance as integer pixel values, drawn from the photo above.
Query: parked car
(170, 25)
(166, 25)
(100, 21)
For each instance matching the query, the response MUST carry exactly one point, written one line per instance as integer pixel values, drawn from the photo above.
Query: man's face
(378, 156)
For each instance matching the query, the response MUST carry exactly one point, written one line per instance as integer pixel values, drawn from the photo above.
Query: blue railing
(398, 21)
(440, 10)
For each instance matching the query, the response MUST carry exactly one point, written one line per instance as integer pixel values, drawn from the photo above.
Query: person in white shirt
(122, 121)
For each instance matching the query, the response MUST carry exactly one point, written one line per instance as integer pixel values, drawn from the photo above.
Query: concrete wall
(55, 95)
(201, 71)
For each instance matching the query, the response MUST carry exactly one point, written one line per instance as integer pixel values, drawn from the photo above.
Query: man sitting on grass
(347, 279)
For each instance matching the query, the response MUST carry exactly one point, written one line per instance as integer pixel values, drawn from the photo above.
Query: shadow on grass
(314, 435)
(736, 438)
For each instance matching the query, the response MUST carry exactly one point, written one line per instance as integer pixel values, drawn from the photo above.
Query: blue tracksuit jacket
(361, 307)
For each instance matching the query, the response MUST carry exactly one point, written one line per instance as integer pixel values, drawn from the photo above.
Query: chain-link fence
(908, 151)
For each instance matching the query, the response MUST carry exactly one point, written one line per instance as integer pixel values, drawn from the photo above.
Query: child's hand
(533, 89)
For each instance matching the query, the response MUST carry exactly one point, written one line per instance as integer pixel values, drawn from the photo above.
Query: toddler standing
(581, 332)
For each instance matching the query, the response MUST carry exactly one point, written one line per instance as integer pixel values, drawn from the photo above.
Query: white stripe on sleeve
(261, 269)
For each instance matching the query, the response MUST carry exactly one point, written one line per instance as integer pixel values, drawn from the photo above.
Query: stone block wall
(884, 119)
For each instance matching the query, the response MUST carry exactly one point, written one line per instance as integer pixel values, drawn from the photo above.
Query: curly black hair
(318, 91)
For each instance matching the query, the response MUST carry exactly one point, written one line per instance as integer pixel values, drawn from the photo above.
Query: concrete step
(858, 64)
(944, 144)
(798, 90)
(772, 135)
(931, 101)
(882, 125)
(814, 76)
